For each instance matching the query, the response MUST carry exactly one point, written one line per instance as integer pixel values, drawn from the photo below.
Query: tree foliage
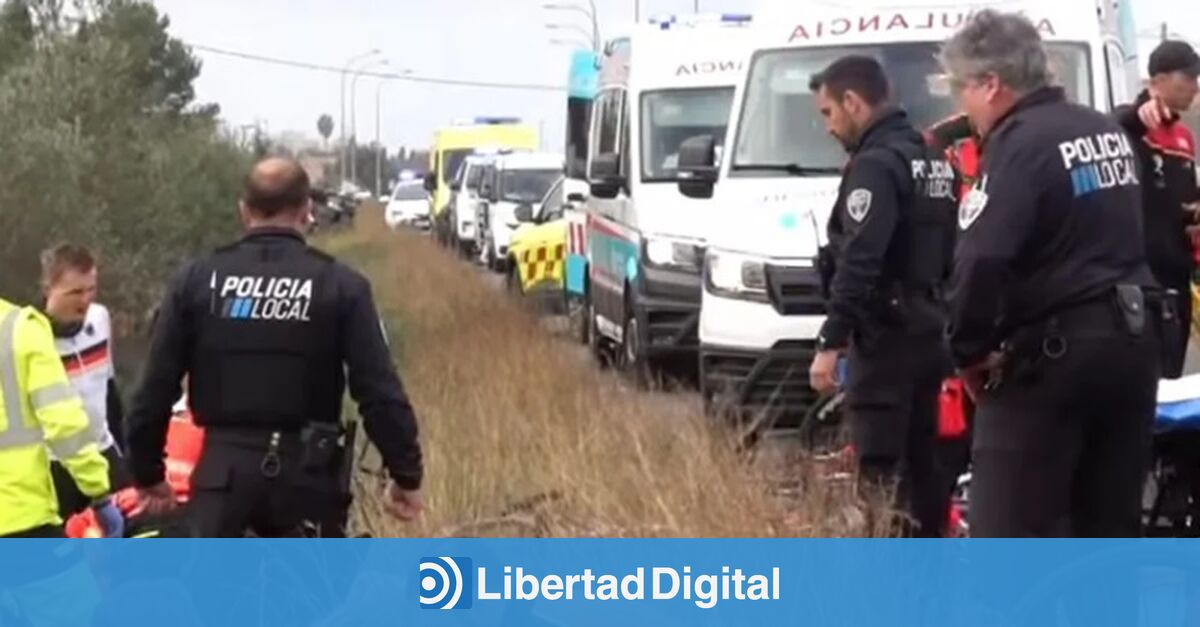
(104, 145)
(325, 126)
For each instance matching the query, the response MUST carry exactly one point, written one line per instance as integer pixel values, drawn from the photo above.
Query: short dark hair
(859, 74)
(276, 186)
(62, 257)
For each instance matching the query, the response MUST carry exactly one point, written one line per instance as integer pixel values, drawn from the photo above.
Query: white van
(762, 304)
(465, 200)
(511, 180)
(659, 86)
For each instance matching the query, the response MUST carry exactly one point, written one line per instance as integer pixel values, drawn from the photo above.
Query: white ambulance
(762, 303)
(665, 82)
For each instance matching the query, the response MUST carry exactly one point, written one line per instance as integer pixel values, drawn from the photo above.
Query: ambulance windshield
(781, 130)
(671, 116)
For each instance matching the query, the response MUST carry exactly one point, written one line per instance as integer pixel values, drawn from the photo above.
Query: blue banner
(531, 583)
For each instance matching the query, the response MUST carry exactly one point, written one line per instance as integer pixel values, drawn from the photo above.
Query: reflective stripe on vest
(18, 434)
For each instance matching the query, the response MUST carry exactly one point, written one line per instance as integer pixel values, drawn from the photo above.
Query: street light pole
(354, 117)
(574, 43)
(589, 11)
(378, 140)
(342, 122)
(569, 27)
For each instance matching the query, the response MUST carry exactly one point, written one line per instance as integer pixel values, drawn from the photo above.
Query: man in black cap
(1167, 152)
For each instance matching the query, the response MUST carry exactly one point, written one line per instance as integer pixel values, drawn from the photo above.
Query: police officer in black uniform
(267, 331)
(890, 237)
(1049, 316)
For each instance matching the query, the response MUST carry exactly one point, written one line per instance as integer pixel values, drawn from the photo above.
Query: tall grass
(525, 437)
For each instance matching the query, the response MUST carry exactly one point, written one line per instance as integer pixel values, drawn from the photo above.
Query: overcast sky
(489, 40)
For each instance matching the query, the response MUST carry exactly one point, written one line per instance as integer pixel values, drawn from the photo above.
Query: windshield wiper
(794, 169)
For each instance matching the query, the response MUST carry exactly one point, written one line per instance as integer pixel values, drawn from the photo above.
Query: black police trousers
(1062, 444)
(892, 402)
(237, 491)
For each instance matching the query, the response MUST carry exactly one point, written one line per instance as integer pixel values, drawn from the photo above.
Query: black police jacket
(267, 331)
(1055, 220)
(891, 234)
(1167, 156)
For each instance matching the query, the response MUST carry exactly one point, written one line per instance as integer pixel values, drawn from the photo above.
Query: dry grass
(525, 437)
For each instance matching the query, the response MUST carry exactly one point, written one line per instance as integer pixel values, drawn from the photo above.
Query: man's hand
(157, 500)
(1192, 211)
(822, 376)
(1154, 113)
(976, 377)
(405, 505)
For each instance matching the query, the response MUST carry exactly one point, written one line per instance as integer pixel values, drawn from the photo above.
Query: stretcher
(1172, 495)
(184, 442)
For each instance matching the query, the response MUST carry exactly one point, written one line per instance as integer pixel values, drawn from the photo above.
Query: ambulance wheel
(577, 315)
(595, 342)
(631, 356)
(512, 280)
(490, 259)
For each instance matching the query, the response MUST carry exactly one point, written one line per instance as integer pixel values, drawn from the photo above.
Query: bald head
(276, 186)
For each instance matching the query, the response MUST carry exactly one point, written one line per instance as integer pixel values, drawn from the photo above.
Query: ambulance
(582, 84)
(762, 301)
(452, 145)
(665, 82)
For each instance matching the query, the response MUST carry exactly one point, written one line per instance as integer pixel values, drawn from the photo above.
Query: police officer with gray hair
(1052, 320)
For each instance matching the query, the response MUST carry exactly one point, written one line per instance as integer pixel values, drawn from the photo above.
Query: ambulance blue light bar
(497, 120)
(669, 22)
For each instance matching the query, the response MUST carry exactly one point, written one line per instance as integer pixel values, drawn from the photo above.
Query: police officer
(1048, 316)
(890, 246)
(267, 331)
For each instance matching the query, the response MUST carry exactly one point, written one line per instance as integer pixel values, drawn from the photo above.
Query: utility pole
(354, 116)
(342, 122)
(1164, 34)
(378, 141)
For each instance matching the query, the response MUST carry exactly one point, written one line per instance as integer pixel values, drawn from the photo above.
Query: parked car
(408, 206)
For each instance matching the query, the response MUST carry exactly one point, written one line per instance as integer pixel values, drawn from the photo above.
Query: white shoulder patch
(858, 204)
(973, 205)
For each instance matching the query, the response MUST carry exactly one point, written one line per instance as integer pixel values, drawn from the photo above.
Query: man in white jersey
(83, 338)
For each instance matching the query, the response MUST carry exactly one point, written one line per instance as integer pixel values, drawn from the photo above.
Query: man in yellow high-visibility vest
(40, 412)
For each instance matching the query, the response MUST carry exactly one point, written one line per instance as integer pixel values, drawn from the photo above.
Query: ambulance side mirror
(606, 176)
(524, 213)
(431, 182)
(698, 167)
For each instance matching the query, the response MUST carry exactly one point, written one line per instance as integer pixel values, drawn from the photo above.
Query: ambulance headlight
(735, 275)
(669, 253)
